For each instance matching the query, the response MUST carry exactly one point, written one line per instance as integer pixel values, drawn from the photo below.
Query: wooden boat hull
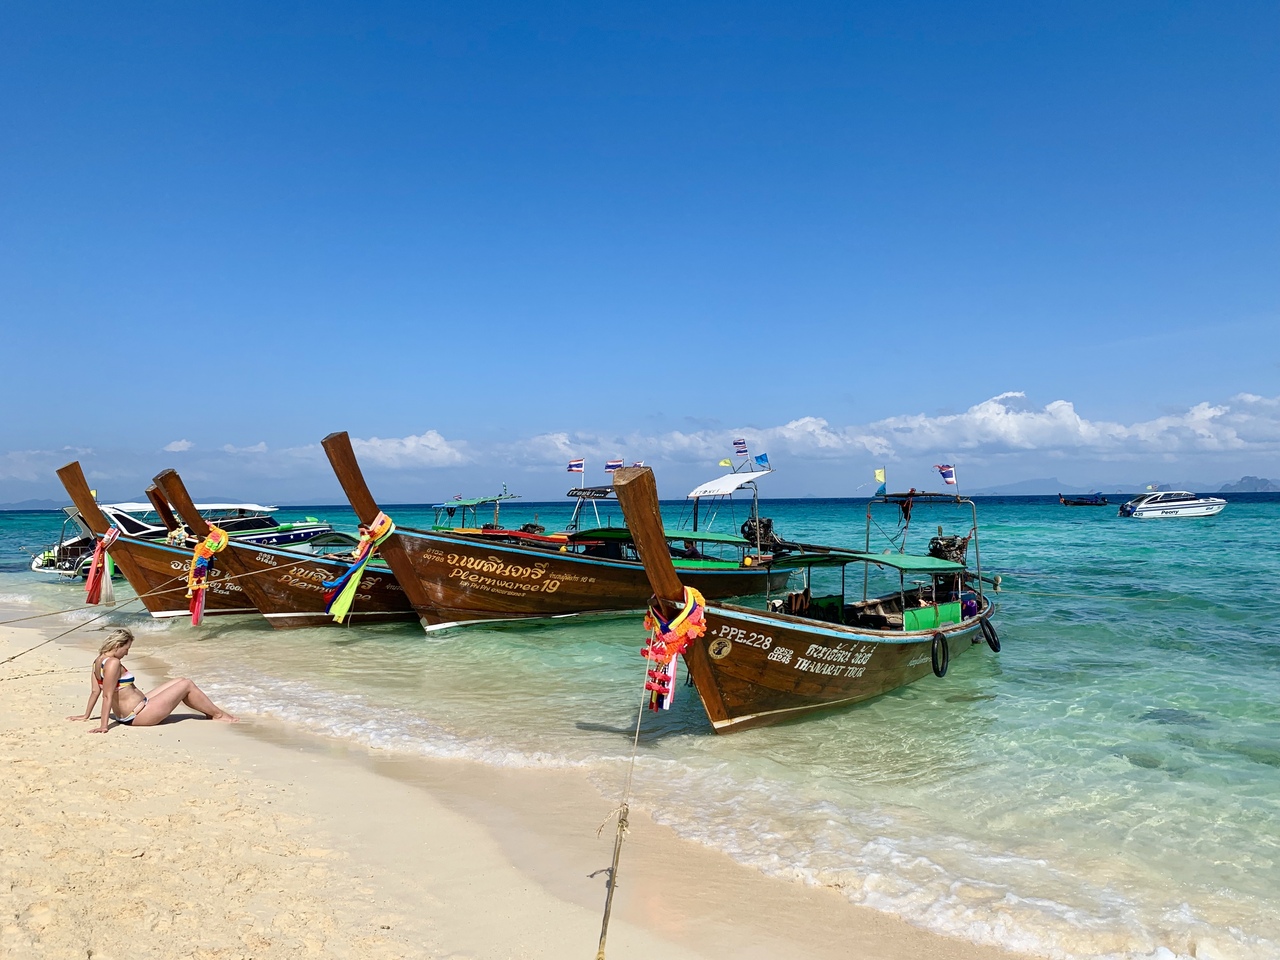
(158, 573)
(753, 669)
(286, 588)
(468, 580)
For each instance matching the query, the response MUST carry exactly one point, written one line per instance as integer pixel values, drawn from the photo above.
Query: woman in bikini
(124, 702)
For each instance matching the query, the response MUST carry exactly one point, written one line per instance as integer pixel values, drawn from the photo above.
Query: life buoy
(989, 632)
(940, 655)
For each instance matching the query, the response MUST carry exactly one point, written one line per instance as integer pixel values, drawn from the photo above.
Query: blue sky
(1030, 239)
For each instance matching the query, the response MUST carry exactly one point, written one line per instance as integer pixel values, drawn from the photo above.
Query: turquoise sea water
(1106, 786)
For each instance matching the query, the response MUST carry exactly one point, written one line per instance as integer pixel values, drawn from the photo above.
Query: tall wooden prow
(637, 493)
(337, 447)
(72, 477)
(162, 508)
(175, 491)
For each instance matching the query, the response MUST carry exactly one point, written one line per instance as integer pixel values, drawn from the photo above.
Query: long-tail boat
(1084, 500)
(289, 587)
(157, 571)
(807, 653)
(454, 577)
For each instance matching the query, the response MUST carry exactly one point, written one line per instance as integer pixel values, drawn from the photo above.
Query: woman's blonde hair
(115, 640)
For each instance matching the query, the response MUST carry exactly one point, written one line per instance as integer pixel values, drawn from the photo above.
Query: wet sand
(207, 840)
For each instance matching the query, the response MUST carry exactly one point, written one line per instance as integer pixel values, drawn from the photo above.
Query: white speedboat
(248, 522)
(1172, 503)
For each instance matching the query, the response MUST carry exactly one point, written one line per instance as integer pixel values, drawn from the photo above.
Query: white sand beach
(206, 840)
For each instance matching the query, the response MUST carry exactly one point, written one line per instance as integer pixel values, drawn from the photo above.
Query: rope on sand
(621, 810)
(40, 673)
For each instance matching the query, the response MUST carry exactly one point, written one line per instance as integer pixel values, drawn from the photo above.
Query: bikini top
(126, 678)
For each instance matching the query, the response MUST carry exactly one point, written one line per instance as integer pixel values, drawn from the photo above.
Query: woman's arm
(94, 692)
(110, 678)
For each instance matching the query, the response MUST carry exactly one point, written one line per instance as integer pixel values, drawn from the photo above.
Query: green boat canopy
(476, 502)
(622, 533)
(905, 562)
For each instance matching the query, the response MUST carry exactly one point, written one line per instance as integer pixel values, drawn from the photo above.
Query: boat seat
(797, 604)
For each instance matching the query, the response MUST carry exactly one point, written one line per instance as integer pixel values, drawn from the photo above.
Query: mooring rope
(40, 673)
(173, 583)
(621, 810)
(1089, 596)
(59, 636)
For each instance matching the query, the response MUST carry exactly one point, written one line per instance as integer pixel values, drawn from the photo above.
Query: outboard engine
(769, 541)
(955, 549)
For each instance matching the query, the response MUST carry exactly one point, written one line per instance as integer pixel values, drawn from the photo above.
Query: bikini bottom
(133, 716)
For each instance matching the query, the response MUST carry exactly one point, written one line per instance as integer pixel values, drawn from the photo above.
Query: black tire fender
(988, 631)
(940, 655)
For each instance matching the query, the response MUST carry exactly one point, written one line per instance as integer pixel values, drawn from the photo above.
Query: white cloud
(1005, 425)
(37, 465)
(25, 465)
(997, 426)
(1008, 430)
(428, 449)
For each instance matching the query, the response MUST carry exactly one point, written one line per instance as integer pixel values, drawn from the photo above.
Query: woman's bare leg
(165, 699)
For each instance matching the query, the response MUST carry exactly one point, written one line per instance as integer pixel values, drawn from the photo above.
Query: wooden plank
(337, 447)
(637, 492)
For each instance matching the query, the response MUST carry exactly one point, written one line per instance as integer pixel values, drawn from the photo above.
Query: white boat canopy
(202, 507)
(723, 486)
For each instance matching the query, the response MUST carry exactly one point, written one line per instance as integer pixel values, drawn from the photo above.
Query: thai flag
(948, 472)
(612, 465)
(740, 447)
(576, 466)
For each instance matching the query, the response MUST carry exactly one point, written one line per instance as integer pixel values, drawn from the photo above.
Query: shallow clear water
(1107, 785)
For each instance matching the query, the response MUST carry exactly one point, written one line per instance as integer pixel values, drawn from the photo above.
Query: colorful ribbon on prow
(667, 640)
(97, 582)
(198, 575)
(340, 594)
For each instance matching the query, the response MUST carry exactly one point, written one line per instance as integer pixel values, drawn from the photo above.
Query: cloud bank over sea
(1002, 439)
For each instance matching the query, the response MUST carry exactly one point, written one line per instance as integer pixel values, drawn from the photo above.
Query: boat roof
(905, 562)
(723, 486)
(202, 507)
(908, 562)
(475, 501)
(590, 493)
(622, 533)
(920, 495)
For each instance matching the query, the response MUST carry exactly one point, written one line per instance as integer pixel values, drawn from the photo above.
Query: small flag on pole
(638, 463)
(576, 466)
(763, 461)
(726, 462)
(880, 475)
(612, 465)
(947, 471)
(740, 447)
